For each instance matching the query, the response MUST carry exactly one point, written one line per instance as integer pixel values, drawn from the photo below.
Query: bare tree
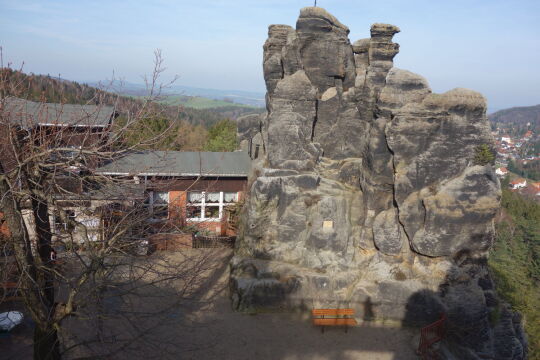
(95, 297)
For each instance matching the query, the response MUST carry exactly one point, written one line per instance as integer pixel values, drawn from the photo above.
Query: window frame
(59, 225)
(150, 205)
(203, 204)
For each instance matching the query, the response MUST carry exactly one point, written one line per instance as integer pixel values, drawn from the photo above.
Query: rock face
(366, 193)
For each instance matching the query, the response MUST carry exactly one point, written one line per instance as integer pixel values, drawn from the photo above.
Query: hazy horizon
(488, 46)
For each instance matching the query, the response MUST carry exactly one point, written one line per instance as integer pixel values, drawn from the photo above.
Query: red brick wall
(177, 205)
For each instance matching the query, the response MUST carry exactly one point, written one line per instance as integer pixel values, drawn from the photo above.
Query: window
(208, 206)
(66, 155)
(230, 197)
(158, 204)
(61, 226)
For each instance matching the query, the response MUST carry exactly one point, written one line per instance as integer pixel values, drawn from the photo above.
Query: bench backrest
(8, 285)
(332, 312)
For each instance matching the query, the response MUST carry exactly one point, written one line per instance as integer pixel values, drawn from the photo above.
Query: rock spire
(366, 190)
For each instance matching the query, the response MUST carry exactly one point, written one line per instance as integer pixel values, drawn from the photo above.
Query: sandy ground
(207, 328)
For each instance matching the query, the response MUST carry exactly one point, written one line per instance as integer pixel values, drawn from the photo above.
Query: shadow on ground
(192, 318)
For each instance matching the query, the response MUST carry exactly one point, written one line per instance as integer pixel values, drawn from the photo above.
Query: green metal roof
(30, 113)
(180, 163)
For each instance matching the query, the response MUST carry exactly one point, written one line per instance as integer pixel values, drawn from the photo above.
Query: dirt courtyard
(207, 328)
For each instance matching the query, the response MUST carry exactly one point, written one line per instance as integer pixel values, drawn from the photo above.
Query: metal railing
(430, 335)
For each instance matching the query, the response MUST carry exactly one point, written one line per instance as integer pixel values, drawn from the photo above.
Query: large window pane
(211, 212)
(229, 197)
(161, 211)
(61, 226)
(212, 197)
(193, 212)
(161, 197)
(195, 196)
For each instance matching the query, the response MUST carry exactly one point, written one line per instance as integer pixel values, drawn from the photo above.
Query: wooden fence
(213, 241)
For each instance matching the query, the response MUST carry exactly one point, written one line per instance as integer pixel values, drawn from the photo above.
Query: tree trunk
(46, 344)
(44, 235)
(36, 278)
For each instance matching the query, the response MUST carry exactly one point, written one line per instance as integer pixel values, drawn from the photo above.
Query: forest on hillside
(517, 120)
(517, 115)
(515, 261)
(187, 129)
(526, 169)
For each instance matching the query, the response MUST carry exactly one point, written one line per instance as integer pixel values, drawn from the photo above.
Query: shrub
(483, 155)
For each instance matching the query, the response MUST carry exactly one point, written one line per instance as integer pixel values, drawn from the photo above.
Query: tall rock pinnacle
(367, 189)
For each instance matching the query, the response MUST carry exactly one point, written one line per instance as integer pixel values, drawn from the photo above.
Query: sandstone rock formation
(367, 194)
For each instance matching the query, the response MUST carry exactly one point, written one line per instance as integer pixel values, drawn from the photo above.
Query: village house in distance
(517, 159)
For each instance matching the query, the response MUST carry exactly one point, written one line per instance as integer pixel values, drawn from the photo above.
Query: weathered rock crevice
(365, 195)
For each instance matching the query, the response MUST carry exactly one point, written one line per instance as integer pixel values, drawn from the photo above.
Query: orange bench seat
(335, 322)
(333, 317)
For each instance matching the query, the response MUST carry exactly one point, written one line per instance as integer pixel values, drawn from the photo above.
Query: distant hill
(53, 89)
(255, 99)
(198, 102)
(50, 89)
(517, 115)
(241, 97)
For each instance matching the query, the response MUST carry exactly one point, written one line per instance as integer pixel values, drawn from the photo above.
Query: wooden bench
(7, 295)
(333, 317)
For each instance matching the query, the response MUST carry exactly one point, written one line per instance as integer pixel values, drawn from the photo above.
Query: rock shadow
(477, 324)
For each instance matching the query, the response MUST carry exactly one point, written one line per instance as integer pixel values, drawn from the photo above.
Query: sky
(491, 46)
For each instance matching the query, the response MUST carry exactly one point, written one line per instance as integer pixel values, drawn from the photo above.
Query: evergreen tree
(483, 155)
(150, 133)
(222, 136)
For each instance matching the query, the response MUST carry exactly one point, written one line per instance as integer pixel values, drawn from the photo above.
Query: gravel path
(217, 332)
(208, 329)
